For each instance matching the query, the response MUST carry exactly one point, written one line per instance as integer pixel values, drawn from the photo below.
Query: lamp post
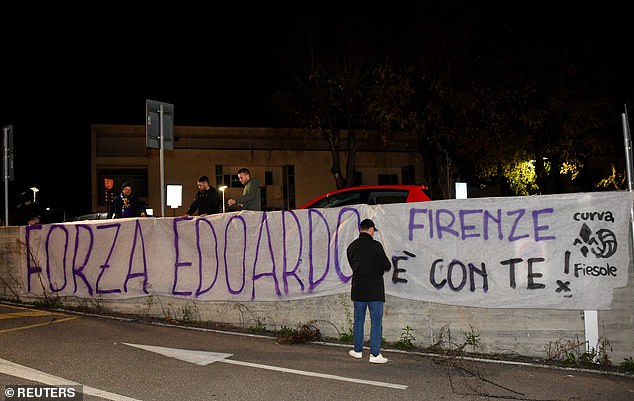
(222, 189)
(35, 191)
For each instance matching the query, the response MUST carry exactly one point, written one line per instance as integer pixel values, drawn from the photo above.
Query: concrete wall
(528, 332)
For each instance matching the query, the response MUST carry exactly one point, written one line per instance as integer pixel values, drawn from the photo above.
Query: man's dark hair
(25, 196)
(244, 170)
(204, 178)
(366, 224)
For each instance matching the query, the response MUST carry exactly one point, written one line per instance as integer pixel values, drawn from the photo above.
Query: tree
(489, 99)
(345, 90)
(507, 104)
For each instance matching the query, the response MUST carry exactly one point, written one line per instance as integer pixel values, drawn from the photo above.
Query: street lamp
(222, 189)
(35, 191)
(174, 197)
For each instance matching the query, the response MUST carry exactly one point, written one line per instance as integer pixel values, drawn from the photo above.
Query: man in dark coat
(28, 213)
(251, 198)
(368, 262)
(127, 204)
(207, 199)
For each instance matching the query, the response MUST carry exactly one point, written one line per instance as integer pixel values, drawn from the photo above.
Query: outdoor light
(222, 189)
(35, 191)
(461, 190)
(174, 196)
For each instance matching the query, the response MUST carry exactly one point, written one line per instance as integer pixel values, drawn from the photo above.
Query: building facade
(292, 165)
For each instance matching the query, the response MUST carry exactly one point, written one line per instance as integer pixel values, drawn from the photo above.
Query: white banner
(556, 251)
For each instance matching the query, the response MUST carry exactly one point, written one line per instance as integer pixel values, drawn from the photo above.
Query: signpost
(159, 134)
(590, 317)
(7, 167)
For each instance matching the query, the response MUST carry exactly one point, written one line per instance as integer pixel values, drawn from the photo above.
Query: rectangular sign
(153, 123)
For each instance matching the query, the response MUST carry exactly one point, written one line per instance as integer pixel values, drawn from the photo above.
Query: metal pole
(162, 162)
(628, 149)
(591, 318)
(5, 135)
(628, 162)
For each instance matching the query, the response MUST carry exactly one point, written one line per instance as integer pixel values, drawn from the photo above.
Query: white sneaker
(355, 354)
(378, 359)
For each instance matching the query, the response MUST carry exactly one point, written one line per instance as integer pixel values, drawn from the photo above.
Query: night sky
(55, 86)
(222, 71)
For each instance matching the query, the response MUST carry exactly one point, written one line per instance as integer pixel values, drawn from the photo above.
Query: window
(289, 186)
(388, 179)
(408, 175)
(233, 181)
(219, 177)
(356, 179)
(380, 197)
(342, 199)
(268, 178)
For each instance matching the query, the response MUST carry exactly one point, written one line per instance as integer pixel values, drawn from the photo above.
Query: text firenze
(479, 223)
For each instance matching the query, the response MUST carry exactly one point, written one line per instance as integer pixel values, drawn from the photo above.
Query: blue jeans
(376, 325)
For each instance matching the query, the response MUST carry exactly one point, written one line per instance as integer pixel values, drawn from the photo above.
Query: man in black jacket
(207, 200)
(368, 262)
(28, 213)
(127, 204)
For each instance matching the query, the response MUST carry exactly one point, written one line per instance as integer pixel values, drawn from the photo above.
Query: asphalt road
(127, 361)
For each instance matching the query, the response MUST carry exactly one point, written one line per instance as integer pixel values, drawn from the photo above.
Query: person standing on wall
(127, 204)
(368, 262)
(207, 199)
(250, 199)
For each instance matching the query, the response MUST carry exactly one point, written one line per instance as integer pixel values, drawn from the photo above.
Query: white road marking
(204, 358)
(198, 357)
(315, 374)
(23, 372)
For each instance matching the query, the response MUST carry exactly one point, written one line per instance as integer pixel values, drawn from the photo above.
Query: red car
(370, 195)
